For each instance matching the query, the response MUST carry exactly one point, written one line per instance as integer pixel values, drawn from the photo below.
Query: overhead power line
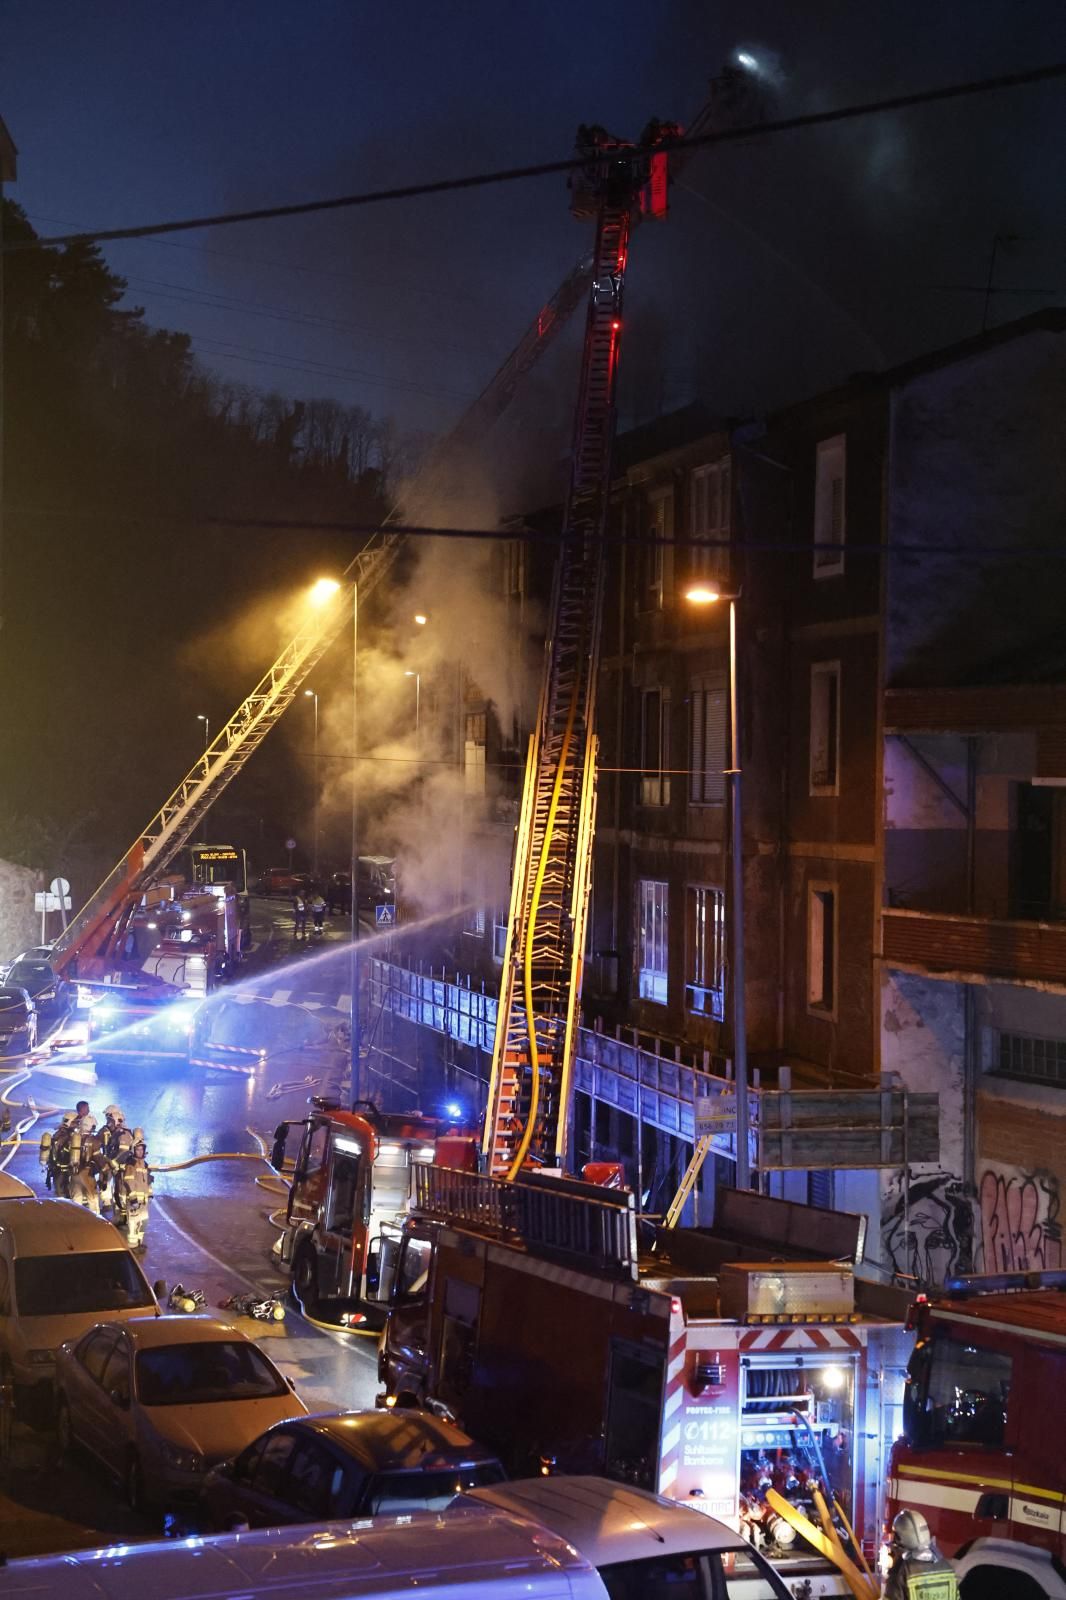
(541, 169)
(528, 535)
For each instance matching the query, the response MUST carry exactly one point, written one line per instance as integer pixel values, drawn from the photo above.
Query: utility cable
(541, 169)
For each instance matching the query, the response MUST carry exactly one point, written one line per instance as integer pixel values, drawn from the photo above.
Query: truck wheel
(305, 1277)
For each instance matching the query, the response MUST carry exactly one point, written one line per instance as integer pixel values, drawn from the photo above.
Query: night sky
(787, 263)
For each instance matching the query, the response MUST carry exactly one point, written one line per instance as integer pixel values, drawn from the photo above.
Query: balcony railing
(978, 948)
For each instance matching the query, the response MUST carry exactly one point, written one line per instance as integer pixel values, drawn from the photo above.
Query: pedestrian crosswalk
(311, 999)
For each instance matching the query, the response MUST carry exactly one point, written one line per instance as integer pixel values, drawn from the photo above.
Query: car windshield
(393, 1493)
(201, 1374)
(31, 974)
(59, 1286)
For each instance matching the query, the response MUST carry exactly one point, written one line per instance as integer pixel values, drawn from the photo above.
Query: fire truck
(734, 1369)
(348, 1199)
(983, 1451)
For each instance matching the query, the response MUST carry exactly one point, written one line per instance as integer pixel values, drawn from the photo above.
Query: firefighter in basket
(918, 1571)
(133, 1190)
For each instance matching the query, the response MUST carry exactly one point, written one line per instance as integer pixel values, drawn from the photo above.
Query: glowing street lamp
(421, 618)
(322, 591)
(708, 594)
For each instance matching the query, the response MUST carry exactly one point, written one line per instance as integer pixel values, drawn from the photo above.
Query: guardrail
(597, 1234)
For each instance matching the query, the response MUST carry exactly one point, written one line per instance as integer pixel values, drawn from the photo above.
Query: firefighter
(318, 912)
(89, 1186)
(135, 1178)
(114, 1123)
(918, 1570)
(61, 1156)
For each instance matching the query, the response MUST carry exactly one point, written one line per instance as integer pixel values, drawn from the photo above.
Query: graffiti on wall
(1020, 1226)
(927, 1226)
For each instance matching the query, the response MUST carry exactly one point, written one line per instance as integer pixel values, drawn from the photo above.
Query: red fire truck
(983, 1452)
(348, 1200)
(725, 1364)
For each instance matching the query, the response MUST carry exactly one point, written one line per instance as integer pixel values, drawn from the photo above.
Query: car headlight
(21, 1027)
(181, 1460)
(42, 1358)
(46, 994)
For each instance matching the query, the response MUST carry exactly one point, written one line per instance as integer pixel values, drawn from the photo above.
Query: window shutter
(714, 757)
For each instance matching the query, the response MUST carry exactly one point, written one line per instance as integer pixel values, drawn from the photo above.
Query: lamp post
(703, 594)
(417, 676)
(321, 594)
(311, 694)
(207, 728)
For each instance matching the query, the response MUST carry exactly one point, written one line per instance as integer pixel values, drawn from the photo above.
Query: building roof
(606, 1521)
(660, 435)
(1051, 320)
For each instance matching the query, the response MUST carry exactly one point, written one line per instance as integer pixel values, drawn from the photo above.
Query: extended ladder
(533, 1048)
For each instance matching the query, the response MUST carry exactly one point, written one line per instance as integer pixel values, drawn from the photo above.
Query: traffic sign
(385, 916)
(716, 1113)
(59, 887)
(290, 844)
(50, 902)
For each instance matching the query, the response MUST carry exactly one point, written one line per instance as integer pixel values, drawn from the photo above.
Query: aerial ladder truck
(529, 1086)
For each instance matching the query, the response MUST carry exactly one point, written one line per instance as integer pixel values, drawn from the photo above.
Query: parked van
(474, 1553)
(62, 1269)
(642, 1544)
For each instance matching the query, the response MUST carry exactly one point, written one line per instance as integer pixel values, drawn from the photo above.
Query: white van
(62, 1269)
(642, 1544)
(474, 1553)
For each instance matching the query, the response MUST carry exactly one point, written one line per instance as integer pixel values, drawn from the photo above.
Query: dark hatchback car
(18, 1020)
(50, 993)
(347, 1464)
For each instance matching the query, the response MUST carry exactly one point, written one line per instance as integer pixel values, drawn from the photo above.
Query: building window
(705, 951)
(709, 518)
(659, 528)
(821, 948)
(474, 731)
(829, 524)
(514, 569)
(1032, 1060)
(706, 743)
(825, 728)
(652, 940)
(655, 748)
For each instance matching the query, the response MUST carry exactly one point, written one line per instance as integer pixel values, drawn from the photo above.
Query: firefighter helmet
(115, 1113)
(68, 1119)
(910, 1531)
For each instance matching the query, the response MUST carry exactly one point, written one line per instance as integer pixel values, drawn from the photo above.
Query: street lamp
(310, 694)
(705, 594)
(323, 590)
(421, 618)
(207, 728)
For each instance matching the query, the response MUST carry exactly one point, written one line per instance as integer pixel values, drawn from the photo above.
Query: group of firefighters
(105, 1169)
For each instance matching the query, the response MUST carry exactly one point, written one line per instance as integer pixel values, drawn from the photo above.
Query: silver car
(160, 1400)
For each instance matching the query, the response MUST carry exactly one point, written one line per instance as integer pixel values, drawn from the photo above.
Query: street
(208, 1135)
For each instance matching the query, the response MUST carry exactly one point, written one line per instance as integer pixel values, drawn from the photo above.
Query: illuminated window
(706, 743)
(705, 951)
(825, 728)
(654, 748)
(709, 518)
(821, 948)
(829, 519)
(652, 940)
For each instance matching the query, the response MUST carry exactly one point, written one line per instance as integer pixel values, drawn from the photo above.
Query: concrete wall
(928, 1223)
(20, 925)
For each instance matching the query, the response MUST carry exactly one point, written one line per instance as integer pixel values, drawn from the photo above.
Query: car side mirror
(159, 1288)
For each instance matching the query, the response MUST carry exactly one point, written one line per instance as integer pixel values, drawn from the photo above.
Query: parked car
(641, 1544)
(276, 880)
(61, 1269)
(51, 994)
(14, 1188)
(18, 1020)
(349, 1464)
(160, 1400)
(470, 1555)
(36, 952)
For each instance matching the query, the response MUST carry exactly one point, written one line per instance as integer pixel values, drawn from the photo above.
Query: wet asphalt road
(209, 1224)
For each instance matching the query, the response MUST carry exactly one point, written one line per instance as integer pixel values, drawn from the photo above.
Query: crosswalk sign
(385, 916)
